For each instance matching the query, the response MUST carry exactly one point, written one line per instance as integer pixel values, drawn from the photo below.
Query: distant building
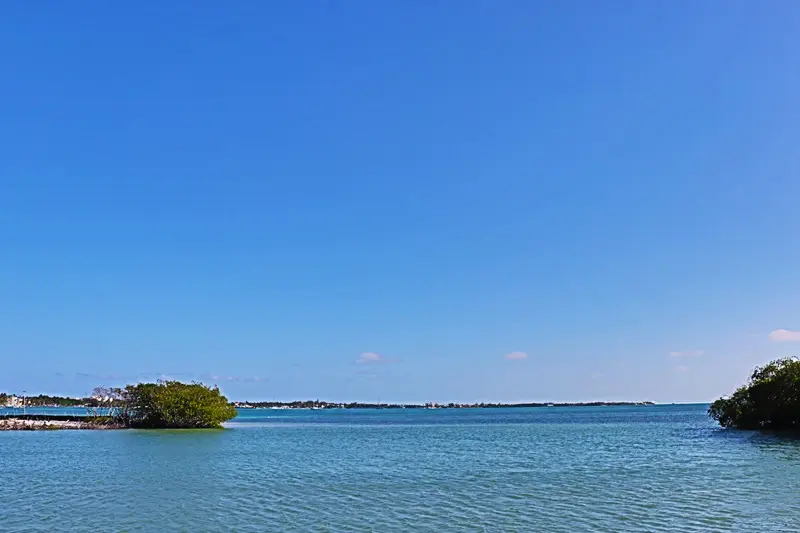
(102, 399)
(14, 402)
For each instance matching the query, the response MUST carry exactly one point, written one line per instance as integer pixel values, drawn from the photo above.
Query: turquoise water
(624, 469)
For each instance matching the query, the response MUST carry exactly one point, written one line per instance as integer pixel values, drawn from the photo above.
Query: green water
(551, 470)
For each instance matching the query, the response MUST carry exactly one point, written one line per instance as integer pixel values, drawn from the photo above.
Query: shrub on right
(771, 399)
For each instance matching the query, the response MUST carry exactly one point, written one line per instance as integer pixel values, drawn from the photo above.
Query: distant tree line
(43, 400)
(316, 404)
(59, 401)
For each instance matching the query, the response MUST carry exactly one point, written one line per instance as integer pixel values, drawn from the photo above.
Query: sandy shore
(18, 424)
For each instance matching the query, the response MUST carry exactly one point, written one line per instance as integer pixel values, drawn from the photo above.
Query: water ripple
(604, 470)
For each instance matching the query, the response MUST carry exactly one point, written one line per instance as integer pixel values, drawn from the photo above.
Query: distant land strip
(358, 405)
(19, 402)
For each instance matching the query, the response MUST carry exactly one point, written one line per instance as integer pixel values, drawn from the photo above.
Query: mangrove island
(770, 400)
(160, 405)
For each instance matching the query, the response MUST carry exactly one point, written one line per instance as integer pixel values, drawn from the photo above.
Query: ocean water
(615, 469)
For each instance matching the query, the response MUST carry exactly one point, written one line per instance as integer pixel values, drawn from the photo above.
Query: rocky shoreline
(23, 424)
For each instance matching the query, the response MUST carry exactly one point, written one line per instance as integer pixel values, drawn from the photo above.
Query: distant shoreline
(43, 422)
(356, 405)
(315, 404)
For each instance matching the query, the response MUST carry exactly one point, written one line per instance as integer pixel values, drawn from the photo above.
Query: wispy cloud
(168, 376)
(687, 353)
(171, 376)
(240, 379)
(100, 377)
(598, 376)
(681, 368)
(516, 356)
(372, 357)
(784, 335)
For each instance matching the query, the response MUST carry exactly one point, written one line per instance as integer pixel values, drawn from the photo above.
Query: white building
(14, 402)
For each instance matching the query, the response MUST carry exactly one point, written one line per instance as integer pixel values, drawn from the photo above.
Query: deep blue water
(612, 469)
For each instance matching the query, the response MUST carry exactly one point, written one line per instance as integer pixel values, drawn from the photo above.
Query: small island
(770, 400)
(160, 405)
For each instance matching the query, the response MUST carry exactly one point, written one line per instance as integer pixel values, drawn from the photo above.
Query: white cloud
(681, 368)
(370, 357)
(516, 356)
(784, 335)
(687, 353)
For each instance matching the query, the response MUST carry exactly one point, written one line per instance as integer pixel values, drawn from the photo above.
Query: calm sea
(623, 469)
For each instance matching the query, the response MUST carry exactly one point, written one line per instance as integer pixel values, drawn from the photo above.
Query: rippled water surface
(663, 468)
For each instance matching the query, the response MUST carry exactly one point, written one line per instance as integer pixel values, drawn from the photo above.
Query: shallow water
(615, 469)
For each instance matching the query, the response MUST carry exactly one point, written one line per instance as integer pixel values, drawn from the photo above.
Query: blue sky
(363, 200)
